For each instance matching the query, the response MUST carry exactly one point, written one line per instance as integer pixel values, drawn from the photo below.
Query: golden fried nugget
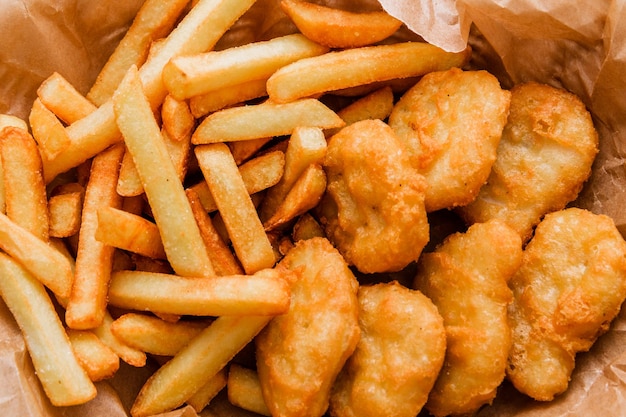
(300, 353)
(373, 209)
(397, 360)
(544, 157)
(569, 288)
(451, 122)
(466, 278)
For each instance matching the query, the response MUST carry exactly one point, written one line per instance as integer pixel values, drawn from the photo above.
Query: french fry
(247, 236)
(375, 105)
(153, 335)
(306, 228)
(65, 207)
(191, 75)
(180, 235)
(264, 293)
(196, 364)
(338, 28)
(155, 19)
(48, 131)
(245, 149)
(62, 98)
(352, 67)
(130, 232)
(63, 379)
(128, 354)
(244, 390)
(94, 260)
(306, 146)
(178, 121)
(303, 196)
(203, 104)
(7, 120)
(95, 357)
(263, 120)
(208, 391)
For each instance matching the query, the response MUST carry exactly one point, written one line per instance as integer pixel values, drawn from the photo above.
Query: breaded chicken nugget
(451, 122)
(397, 360)
(373, 209)
(466, 278)
(570, 286)
(544, 157)
(300, 353)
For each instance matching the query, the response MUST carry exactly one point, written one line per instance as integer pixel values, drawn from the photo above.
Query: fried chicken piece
(300, 353)
(544, 157)
(569, 288)
(373, 209)
(451, 122)
(398, 358)
(466, 278)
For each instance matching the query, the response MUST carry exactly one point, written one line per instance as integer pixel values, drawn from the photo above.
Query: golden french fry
(263, 120)
(375, 105)
(244, 390)
(178, 121)
(306, 228)
(180, 235)
(236, 208)
(208, 391)
(63, 379)
(95, 357)
(155, 19)
(62, 98)
(303, 196)
(264, 293)
(94, 260)
(245, 149)
(47, 130)
(65, 207)
(338, 28)
(190, 75)
(128, 354)
(154, 335)
(306, 146)
(221, 98)
(7, 120)
(352, 67)
(130, 232)
(196, 364)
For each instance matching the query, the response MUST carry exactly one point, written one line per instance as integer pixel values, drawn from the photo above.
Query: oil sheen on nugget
(398, 358)
(569, 288)
(300, 353)
(373, 210)
(466, 278)
(545, 155)
(451, 122)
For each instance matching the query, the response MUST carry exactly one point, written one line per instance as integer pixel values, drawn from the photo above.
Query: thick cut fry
(7, 120)
(128, 354)
(303, 196)
(203, 104)
(375, 105)
(191, 75)
(244, 227)
(264, 293)
(25, 191)
(154, 335)
(263, 120)
(65, 207)
(155, 19)
(338, 28)
(62, 98)
(180, 235)
(245, 149)
(94, 259)
(196, 364)
(63, 379)
(307, 228)
(178, 121)
(358, 66)
(47, 130)
(129, 232)
(205, 395)
(244, 390)
(306, 146)
(95, 357)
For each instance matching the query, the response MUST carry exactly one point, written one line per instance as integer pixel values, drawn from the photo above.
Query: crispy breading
(451, 122)
(544, 158)
(466, 278)
(569, 288)
(397, 360)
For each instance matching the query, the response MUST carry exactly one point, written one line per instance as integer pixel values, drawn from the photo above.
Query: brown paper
(579, 47)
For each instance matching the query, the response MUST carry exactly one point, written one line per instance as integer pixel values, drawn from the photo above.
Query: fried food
(373, 210)
(451, 122)
(544, 157)
(466, 278)
(397, 360)
(570, 286)
(300, 353)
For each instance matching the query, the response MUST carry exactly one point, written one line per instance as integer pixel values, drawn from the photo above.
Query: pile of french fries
(174, 186)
